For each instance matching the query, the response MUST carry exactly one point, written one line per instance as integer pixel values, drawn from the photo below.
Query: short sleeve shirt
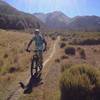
(39, 40)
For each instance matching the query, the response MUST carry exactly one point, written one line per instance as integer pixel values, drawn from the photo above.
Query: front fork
(37, 62)
(34, 64)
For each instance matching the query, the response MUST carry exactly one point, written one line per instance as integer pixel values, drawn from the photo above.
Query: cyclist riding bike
(40, 45)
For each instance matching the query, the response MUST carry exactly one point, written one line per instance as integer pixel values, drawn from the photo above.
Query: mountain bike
(36, 63)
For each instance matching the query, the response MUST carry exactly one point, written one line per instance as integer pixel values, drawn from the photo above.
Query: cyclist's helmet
(37, 30)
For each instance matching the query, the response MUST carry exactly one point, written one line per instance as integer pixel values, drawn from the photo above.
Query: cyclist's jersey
(39, 41)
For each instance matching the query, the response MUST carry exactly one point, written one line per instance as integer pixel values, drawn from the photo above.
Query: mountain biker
(40, 45)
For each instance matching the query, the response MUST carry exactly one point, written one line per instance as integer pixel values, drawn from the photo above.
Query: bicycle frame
(35, 64)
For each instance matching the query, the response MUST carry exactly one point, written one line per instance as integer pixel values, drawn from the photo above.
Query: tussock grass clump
(64, 57)
(70, 51)
(90, 42)
(53, 38)
(64, 39)
(57, 60)
(62, 45)
(65, 67)
(80, 82)
(5, 55)
(94, 50)
(13, 70)
(82, 53)
(86, 41)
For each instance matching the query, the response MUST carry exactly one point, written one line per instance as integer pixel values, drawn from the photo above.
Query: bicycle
(36, 63)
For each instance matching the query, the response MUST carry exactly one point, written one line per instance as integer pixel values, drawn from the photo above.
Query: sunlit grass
(80, 82)
(12, 50)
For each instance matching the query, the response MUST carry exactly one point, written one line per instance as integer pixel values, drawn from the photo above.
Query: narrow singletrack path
(16, 94)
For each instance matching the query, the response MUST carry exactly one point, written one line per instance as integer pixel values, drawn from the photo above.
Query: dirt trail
(18, 92)
(52, 54)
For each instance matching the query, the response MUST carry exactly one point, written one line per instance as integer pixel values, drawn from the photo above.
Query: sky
(70, 7)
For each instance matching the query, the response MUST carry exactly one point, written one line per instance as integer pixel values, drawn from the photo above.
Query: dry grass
(80, 82)
(12, 50)
(14, 60)
(87, 58)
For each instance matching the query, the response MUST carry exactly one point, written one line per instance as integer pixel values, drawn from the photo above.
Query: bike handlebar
(33, 50)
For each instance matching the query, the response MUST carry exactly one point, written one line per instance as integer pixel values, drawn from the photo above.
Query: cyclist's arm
(30, 42)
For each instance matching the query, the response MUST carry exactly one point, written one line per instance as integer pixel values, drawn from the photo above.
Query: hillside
(58, 20)
(85, 23)
(11, 18)
(54, 20)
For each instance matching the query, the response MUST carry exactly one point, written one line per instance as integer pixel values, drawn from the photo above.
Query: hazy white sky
(69, 7)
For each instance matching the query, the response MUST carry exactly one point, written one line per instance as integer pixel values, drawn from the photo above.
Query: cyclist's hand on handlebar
(27, 50)
(45, 49)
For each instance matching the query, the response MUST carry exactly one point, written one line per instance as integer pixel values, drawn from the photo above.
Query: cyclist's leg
(41, 59)
(32, 66)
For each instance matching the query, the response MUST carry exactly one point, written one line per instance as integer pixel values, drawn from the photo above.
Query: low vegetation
(13, 57)
(65, 67)
(89, 42)
(86, 38)
(80, 82)
(70, 51)
(62, 45)
(64, 57)
(57, 60)
(64, 39)
(82, 53)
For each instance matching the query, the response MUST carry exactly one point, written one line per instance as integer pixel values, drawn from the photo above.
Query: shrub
(64, 57)
(64, 67)
(57, 60)
(5, 55)
(12, 70)
(95, 50)
(82, 53)
(62, 45)
(90, 42)
(80, 82)
(86, 41)
(70, 51)
(64, 39)
(53, 38)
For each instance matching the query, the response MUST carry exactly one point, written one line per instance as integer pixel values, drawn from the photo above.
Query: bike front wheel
(34, 66)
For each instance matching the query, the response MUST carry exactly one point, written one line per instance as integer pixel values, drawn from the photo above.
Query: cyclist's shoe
(41, 68)
(22, 85)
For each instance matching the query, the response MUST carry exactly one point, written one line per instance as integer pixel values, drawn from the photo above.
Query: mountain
(41, 16)
(11, 18)
(85, 23)
(55, 19)
(58, 20)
